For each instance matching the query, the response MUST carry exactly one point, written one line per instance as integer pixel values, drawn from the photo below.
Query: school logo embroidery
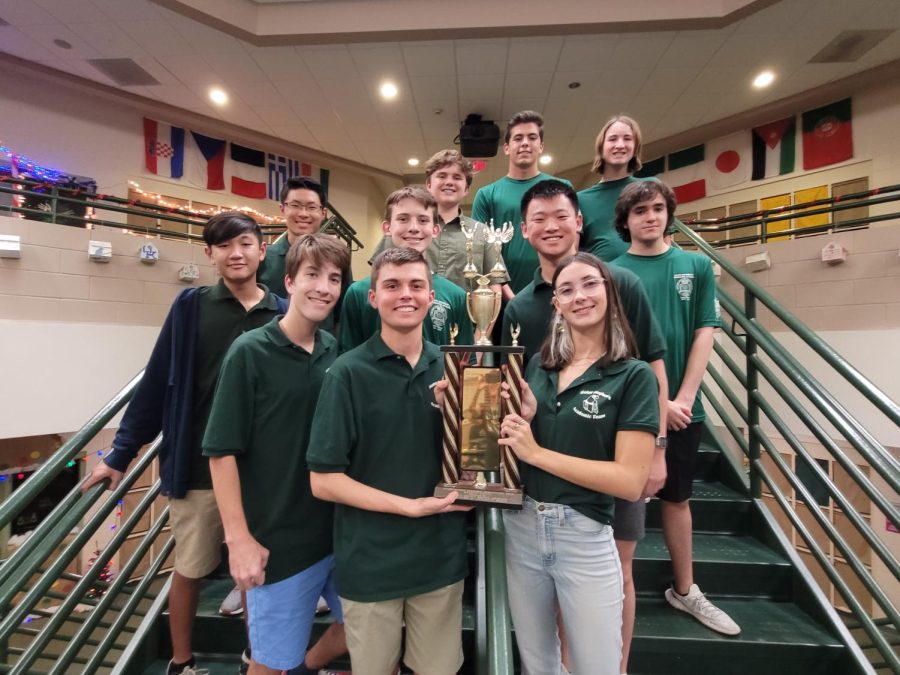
(590, 406)
(439, 312)
(684, 285)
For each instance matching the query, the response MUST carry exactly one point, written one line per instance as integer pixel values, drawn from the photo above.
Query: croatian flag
(163, 148)
(248, 171)
(205, 161)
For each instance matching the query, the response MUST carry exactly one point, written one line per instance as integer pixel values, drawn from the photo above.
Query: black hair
(548, 189)
(229, 224)
(303, 184)
(636, 193)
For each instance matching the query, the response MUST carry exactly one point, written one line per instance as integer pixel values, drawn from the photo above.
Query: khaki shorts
(433, 633)
(198, 532)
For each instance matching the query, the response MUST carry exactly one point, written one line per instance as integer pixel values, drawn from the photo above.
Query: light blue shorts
(281, 615)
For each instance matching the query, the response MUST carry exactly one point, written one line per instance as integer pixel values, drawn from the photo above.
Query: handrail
(40, 479)
(765, 213)
(499, 623)
(755, 342)
(831, 356)
(19, 187)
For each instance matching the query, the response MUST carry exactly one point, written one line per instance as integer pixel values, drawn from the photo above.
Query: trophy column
(451, 445)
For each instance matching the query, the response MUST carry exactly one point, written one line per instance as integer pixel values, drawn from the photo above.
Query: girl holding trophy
(586, 434)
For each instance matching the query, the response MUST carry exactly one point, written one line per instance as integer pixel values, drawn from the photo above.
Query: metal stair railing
(36, 639)
(742, 411)
(763, 219)
(57, 197)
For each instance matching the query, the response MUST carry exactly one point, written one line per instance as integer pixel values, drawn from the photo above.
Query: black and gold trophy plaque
(473, 407)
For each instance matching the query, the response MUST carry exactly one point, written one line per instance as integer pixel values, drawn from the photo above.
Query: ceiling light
(574, 85)
(218, 96)
(412, 161)
(546, 159)
(764, 79)
(62, 44)
(388, 90)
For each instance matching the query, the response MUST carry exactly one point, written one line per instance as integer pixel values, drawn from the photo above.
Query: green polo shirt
(377, 422)
(271, 273)
(360, 321)
(262, 413)
(598, 211)
(447, 254)
(271, 269)
(501, 202)
(582, 421)
(532, 310)
(682, 291)
(221, 320)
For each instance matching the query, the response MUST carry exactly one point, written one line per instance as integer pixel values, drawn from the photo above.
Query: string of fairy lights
(40, 173)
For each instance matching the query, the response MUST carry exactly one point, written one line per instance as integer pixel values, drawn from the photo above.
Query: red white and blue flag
(247, 168)
(163, 148)
(205, 161)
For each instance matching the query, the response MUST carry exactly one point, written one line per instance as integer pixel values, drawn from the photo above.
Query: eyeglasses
(589, 288)
(311, 209)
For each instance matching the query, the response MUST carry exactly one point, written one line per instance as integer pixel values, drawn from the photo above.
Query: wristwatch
(662, 442)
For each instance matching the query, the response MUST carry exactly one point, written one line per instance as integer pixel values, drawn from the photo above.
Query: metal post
(752, 386)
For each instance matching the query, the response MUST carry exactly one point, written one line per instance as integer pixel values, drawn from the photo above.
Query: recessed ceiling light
(546, 159)
(574, 85)
(388, 90)
(218, 96)
(764, 79)
(62, 44)
(413, 161)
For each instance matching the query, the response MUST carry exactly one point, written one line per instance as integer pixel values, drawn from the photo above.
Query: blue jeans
(554, 553)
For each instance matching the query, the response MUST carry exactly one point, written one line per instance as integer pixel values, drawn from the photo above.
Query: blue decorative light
(32, 168)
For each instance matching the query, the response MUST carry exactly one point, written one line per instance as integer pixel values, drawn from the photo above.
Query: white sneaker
(322, 606)
(232, 605)
(696, 604)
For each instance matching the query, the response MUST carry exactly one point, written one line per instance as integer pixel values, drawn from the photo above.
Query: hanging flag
(205, 161)
(827, 135)
(163, 148)
(282, 168)
(247, 168)
(652, 168)
(686, 174)
(774, 148)
(730, 160)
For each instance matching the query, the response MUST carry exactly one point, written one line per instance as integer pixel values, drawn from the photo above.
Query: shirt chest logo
(439, 313)
(591, 403)
(684, 285)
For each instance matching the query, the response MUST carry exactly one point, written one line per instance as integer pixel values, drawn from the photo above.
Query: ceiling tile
(481, 57)
(15, 42)
(280, 63)
(329, 63)
(46, 34)
(533, 55)
(157, 37)
(429, 59)
(20, 13)
(71, 11)
(585, 54)
(376, 64)
(108, 39)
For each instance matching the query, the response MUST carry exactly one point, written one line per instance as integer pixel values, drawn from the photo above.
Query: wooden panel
(781, 517)
(809, 195)
(818, 573)
(772, 203)
(679, 238)
(853, 538)
(775, 473)
(856, 588)
(125, 553)
(129, 503)
(743, 209)
(712, 214)
(848, 187)
(854, 494)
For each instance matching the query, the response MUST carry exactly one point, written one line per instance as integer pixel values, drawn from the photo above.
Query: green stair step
(715, 507)
(724, 564)
(776, 637)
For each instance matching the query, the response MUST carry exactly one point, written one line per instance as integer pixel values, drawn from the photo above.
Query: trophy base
(492, 494)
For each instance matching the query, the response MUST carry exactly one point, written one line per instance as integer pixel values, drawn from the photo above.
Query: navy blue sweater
(163, 400)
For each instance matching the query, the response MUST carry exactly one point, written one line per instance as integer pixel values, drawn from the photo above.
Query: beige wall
(81, 128)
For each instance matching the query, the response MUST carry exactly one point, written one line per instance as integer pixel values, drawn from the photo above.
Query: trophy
(473, 407)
